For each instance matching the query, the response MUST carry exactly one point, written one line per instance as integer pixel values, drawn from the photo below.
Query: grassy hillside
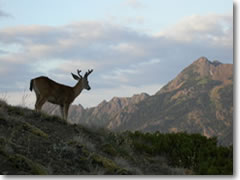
(35, 143)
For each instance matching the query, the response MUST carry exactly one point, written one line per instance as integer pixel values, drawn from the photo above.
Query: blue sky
(134, 46)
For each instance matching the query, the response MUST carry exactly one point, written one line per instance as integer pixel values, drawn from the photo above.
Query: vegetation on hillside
(35, 143)
(191, 151)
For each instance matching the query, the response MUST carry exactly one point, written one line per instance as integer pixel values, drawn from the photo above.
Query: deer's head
(83, 80)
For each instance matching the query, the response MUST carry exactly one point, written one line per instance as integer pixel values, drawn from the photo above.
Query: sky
(133, 46)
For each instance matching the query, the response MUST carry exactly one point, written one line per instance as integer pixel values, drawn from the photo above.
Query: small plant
(86, 142)
(26, 164)
(34, 130)
(25, 96)
(4, 97)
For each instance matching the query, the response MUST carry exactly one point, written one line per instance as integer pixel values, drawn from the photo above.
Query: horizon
(25, 95)
(134, 46)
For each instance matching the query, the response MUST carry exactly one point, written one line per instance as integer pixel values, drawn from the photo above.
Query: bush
(191, 151)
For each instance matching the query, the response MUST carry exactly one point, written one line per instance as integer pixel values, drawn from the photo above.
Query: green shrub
(26, 164)
(192, 151)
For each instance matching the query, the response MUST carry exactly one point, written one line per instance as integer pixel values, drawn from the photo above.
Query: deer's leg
(39, 103)
(62, 111)
(66, 107)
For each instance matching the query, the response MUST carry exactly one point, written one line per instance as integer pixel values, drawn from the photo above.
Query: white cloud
(83, 65)
(11, 48)
(129, 48)
(44, 67)
(213, 29)
(119, 75)
(80, 40)
(124, 75)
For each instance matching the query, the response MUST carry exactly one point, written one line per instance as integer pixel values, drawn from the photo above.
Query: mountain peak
(202, 60)
(216, 63)
(200, 69)
(139, 97)
(104, 102)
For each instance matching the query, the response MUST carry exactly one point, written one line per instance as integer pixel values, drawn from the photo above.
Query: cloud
(83, 39)
(73, 65)
(120, 56)
(16, 77)
(4, 14)
(3, 70)
(128, 48)
(2, 52)
(122, 74)
(213, 28)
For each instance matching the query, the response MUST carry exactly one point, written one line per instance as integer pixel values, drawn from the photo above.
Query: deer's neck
(77, 89)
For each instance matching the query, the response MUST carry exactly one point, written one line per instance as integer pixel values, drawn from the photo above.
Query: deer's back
(53, 90)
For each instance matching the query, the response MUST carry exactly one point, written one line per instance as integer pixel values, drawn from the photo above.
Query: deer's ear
(75, 77)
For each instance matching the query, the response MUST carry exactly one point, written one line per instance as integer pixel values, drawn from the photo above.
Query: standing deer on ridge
(53, 92)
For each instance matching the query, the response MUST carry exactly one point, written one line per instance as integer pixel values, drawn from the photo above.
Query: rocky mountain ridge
(204, 69)
(103, 109)
(198, 100)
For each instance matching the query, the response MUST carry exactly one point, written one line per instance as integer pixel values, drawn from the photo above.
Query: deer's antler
(87, 73)
(79, 71)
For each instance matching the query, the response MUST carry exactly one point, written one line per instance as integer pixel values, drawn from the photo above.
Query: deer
(47, 90)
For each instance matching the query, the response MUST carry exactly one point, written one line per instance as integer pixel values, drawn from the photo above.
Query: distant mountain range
(198, 100)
